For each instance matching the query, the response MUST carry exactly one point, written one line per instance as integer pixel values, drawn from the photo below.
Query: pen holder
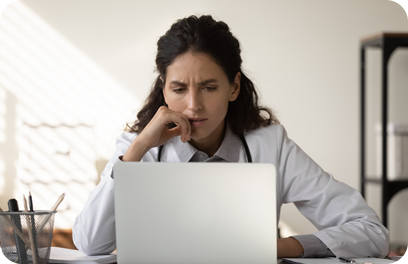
(26, 236)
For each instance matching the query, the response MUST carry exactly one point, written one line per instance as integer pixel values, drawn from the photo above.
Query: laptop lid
(195, 213)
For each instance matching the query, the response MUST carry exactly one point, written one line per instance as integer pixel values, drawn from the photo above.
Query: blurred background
(73, 72)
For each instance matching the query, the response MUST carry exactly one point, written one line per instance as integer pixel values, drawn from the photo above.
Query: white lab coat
(346, 224)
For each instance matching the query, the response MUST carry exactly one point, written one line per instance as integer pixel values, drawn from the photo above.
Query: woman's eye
(178, 90)
(210, 88)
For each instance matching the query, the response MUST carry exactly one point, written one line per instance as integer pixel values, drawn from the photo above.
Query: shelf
(392, 186)
(379, 40)
(388, 42)
(378, 180)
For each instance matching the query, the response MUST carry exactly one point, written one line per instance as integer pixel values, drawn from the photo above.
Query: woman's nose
(194, 101)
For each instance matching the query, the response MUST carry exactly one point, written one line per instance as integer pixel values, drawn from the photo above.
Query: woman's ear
(235, 87)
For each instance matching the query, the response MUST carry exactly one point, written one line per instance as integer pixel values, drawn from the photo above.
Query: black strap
(248, 153)
(159, 154)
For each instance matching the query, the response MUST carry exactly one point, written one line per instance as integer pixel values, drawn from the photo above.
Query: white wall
(302, 55)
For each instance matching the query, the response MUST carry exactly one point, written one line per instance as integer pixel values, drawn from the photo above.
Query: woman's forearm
(289, 247)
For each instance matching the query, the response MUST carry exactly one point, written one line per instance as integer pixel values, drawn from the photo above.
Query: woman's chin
(197, 135)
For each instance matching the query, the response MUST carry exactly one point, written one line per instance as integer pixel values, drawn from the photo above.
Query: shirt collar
(228, 151)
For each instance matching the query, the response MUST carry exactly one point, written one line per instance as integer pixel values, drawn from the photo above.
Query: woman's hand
(289, 247)
(156, 133)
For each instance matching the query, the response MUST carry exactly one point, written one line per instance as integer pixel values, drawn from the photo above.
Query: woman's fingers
(156, 133)
(182, 123)
(173, 132)
(167, 116)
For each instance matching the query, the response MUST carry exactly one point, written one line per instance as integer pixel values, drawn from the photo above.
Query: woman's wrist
(289, 247)
(136, 151)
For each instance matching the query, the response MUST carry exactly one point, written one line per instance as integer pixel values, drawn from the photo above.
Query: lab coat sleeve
(93, 231)
(346, 224)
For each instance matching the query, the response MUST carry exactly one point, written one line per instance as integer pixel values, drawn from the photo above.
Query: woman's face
(198, 87)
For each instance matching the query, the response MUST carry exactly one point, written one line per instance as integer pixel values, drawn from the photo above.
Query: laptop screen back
(195, 213)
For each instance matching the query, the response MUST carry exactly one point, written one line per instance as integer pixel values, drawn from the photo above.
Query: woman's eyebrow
(207, 81)
(199, 84)
(178, 83)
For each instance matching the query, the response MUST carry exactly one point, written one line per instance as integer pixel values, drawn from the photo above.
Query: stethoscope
(248, 153)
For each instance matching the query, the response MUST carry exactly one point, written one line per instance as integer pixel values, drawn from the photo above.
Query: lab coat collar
(228, 151)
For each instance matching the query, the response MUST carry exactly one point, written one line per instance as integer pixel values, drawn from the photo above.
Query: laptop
(210, 213)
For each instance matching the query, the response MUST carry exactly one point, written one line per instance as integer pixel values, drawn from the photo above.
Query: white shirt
(346, 224)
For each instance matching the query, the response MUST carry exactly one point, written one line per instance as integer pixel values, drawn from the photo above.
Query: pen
(30, 233)
(347, 260)
(30, 202)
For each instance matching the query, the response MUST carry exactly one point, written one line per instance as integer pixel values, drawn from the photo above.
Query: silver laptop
(195, 213)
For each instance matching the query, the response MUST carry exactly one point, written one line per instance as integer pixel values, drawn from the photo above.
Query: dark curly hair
(204, 34)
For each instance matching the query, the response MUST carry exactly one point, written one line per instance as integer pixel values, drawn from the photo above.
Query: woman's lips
(196, 122)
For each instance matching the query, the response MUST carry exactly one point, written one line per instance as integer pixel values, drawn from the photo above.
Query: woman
(203, 108)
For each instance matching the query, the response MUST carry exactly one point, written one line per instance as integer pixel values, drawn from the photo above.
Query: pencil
(53, 208)
(57, 203)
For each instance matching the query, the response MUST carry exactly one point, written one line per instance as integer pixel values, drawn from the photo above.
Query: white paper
(337, 261)
(63, 255)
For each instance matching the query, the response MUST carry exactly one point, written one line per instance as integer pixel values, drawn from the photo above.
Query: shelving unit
(388, 43)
